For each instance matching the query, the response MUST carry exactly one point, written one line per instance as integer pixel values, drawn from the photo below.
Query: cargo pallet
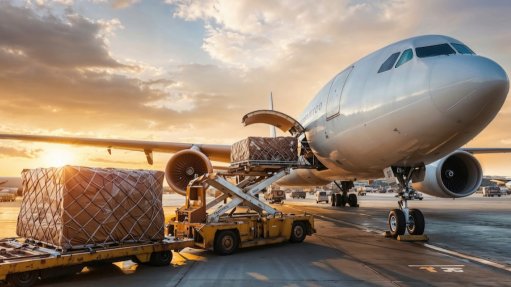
(23, 263)
(225, 231)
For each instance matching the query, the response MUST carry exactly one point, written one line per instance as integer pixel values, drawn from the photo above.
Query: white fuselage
(363, 121)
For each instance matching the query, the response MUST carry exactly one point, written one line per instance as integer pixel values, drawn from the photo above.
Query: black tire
(343, 199)
(396, 222)
(352, 200)
(332, 197)
(339, 200)
(162, 258)
(136, 260)
(23, 279)
(416, 222)
(298, 232)
(226, 242)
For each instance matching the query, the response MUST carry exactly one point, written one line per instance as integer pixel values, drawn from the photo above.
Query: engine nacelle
(456, 175)
(184, 166)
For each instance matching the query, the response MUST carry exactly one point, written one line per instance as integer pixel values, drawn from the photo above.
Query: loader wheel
(297, 232)
(162, 258)
(226, 242)
(23, 279)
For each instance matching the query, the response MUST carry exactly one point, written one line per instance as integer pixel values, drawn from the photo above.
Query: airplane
(503, 181)
(11, 185)
(403, 111)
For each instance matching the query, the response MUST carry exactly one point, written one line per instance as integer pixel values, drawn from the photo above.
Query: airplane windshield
(462, 49)
(435, 50)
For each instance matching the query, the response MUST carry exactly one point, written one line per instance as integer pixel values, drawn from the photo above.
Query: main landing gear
(343, 198)
(405, 219)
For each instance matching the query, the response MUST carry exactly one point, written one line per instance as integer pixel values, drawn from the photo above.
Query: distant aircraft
(11, 185)
(502, 181)
(403, 111)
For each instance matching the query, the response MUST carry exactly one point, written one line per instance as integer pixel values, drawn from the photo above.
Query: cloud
(121, 4)
(103, 160)
(48, 81)
(19, 152)
(260, 33)
(48, 40)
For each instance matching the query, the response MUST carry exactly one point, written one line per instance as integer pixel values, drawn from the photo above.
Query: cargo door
(333, 103)
(280, 120)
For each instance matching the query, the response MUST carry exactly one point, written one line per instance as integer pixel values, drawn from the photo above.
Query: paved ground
(340, 254)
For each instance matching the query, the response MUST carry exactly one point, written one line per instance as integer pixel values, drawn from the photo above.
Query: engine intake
(456, 175)
(184, 166)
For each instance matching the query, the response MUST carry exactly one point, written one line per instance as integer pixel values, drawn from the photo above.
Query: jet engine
(456, 175)
(184, 166)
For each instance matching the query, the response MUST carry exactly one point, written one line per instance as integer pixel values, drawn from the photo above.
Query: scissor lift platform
(22, 264)
(222, 229)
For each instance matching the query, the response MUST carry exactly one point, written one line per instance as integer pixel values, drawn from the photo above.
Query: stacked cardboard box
(75, 207)
(284, 149)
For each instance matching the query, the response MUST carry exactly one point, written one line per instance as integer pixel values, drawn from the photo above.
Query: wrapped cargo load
(75, 207)
(278, 149)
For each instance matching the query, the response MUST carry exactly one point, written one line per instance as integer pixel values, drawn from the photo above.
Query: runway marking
(469, 257)
(444, 268)
(430, 246)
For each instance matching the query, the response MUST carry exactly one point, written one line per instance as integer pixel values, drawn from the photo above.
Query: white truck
(321, 195)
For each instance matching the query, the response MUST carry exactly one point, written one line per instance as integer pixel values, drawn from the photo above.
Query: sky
(187, 71)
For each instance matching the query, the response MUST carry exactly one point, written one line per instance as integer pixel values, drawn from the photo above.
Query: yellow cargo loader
(223, 230)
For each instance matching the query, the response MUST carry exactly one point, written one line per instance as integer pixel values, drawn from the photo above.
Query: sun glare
(57, 157)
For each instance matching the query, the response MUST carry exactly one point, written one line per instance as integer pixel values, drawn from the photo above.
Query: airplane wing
(220, 153)
(481, 150)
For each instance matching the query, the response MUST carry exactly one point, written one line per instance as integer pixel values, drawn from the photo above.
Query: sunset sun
(57, 157)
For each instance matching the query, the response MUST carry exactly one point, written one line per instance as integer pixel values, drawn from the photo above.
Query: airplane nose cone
(467, 88)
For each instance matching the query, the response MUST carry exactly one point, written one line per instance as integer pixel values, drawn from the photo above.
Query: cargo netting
(278, 149)
(76, 207)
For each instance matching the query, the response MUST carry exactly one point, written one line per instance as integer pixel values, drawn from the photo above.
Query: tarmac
(469, 245)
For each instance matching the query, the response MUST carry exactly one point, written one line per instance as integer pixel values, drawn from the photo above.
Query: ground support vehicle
(491, 191)
(274, 195)
(321, 196)
(22, 263)
(222, 229)
(7, 196)
(298, 194)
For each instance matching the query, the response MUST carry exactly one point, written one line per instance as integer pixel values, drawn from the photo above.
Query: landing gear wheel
(340, 200)
(226, 242)
(397, 222)
(23, 279)
(416, 222)
(160, 258)
(332, 197)
(352, 200)
(297, 232)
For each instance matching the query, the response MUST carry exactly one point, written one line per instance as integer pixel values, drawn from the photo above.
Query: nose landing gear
(405, 219)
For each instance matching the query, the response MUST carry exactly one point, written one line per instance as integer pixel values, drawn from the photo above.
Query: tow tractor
(223, 229)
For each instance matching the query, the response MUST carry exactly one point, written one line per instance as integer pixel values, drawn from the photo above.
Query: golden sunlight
(57, 157)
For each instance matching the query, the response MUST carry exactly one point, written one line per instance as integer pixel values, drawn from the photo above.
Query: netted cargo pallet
(78, 207)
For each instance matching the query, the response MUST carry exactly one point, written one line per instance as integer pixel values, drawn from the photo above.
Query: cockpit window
(462, 49)
(389, 63)
(405, 57)
(435, 50)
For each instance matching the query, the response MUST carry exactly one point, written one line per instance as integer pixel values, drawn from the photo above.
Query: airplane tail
(273, 131)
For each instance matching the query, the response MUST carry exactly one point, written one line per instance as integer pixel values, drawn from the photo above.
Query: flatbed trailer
(222, 229)
(22, 263)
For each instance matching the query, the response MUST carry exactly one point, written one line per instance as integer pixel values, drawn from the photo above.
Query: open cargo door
(280, 120)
